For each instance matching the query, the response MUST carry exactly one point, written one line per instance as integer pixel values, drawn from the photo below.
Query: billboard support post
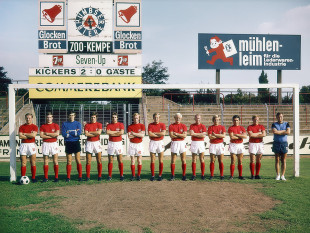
(218, 81)
(279, 81)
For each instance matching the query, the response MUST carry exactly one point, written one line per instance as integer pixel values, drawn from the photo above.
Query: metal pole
(296, 131)
(222, 115)
(267, 118)
(217, 81)
(279, 81)
(12, 133)
(124, 116)
(168, 115)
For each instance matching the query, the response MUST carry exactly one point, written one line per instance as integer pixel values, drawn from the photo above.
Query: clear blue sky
(170, 34)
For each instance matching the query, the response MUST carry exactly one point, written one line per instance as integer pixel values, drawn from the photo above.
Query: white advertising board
(5, 149)
(86, 60)
(85, 71)
(90, 20)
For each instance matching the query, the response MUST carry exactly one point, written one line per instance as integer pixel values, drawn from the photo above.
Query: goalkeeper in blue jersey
(71, 131)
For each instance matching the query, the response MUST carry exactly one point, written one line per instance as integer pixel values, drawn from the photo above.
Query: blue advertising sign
(249, 51)
(131, 45)
(52, 44)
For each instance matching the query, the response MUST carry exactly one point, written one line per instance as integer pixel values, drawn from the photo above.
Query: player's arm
(181, 135)
(21, 135)
(198, 135)
(257, 135)
(138, 135)
(160, 134)
(44, 136)
(53, 135)
(232, 136)
(242, 135)
(89, 134)
(96, 133)
(281, 132)
(172, 135)
(78, 131)
(223, 135)
(64, 132)
(153, 135)
(31, 135)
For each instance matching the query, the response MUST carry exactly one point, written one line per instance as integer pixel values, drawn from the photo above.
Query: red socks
(88, 170)
(79, 169)
(161, 168)
(133, 170)
(23, 170)
(252, 167)
(110, 168)
(45, 168)
(232, 169)
(153, 169)
(121, 169)
(221, 165)
(258, 168)
(69, 167)
(203, 167)
(193, 169)
(172, 168)
(33, 172)
(240, 169)
(99, 169)
(56, 170)
(211, 169)
(139, 169)
(184, 168)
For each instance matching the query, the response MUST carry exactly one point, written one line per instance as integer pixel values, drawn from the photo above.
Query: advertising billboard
(249, 51)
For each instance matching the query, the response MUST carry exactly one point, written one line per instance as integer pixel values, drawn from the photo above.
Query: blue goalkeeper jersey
(278, 126)
(71, 131)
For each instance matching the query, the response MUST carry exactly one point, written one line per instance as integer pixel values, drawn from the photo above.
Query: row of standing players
(71, 131)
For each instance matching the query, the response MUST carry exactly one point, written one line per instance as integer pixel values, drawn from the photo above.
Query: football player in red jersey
(92, 132)
(115, 130)
(236, 133)
(49, 133)
(157, 131)
(256, 146)
(136, 132)
(198, 132)
(177, 133)
(216, 134)
(27, 133)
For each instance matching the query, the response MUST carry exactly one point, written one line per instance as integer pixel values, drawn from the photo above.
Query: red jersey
(157, 128)
(49, 128)
(92, 127)
(177, 128)
(136, 128)
(236, 130)
(115, 127)
(28, 129)
(256, 129)
(217, 129)
(198, 129)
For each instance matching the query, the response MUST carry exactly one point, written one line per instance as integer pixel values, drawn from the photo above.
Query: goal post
(12, 110)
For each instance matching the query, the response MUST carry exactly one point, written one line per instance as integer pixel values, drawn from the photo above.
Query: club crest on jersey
(181, 130)
(90, 21)
(117, 129)
(139, 130)
(53, 130)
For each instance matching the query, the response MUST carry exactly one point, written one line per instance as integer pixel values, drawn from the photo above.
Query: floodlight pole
(279, 81)
(296, 131)
(12, 133)
(218, 81)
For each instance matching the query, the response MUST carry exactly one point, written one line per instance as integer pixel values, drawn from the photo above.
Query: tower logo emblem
(90, 21)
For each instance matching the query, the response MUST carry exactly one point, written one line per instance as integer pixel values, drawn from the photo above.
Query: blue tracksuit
(71, 131)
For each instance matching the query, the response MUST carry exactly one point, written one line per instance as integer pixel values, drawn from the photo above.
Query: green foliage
(4, 81)
(305, 98)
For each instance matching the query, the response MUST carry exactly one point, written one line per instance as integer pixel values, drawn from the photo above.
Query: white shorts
(217, 149)
(49, 148)
(27, 149)
(156, 146)
(236, 148)
(197, 147)
(93, 147)
(135, 149)
(115, 148)
(178, 147)
(256, 148)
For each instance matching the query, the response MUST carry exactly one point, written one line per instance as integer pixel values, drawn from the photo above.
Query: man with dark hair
(236, 133)
(28, 132)
(92, 132)
(115, 130)
(49, 133)
(71, 131)
(280, 130)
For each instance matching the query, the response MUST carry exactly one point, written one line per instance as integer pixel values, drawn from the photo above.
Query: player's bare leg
(183, 160)
(252, 165)
(194, 161)
(78, 165)
(212, 165)
(152, 165)
(99, 165)
(120, 166)
(88, 165)
(283, 166)
(240, 156)
(258, 165)
(139, 161)
(221, 165)
(277, 165)
(45, 168)
(69, 167)
(110, 166)
(33, 167)
(133, 168)
(56, 167)
(172, 165)
(232, 165)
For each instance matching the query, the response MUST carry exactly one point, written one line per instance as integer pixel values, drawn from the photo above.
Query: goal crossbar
(12, 125)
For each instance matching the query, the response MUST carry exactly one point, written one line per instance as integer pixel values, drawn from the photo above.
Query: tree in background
(4, 81)
(263, 93)
(305, 98)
